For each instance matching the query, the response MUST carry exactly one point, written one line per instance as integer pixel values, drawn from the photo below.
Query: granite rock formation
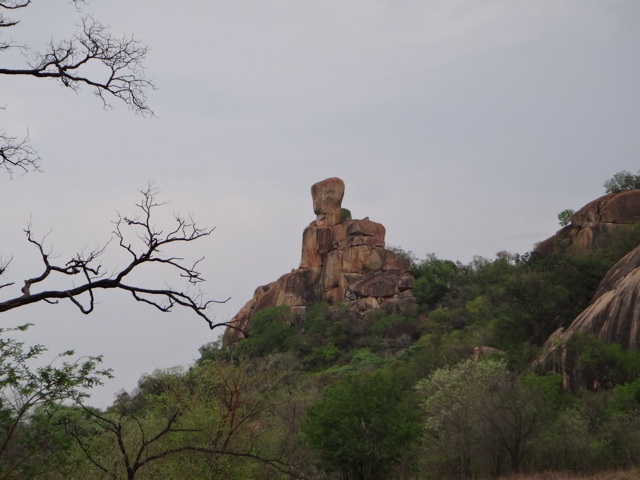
(343, 260)
(613, 314)
(596, 218)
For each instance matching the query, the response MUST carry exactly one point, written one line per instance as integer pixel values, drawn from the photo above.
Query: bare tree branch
(120, 61)
(111, 66)
(13, 4)
(150, 242)
(17, 154)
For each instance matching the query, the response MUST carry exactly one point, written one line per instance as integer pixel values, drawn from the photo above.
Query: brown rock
(238, 325)
(392, 262)
(341, 262)
(406, 281)
(357, 259)
(483, 350)
(623, 268)
(298, 288)
(340, 232)
(597, 218)
(379, 284)
(612, 316)
(316, 243)
(367, 228)
(592, 212)
(623, 207)
(327, 200)
(402, 304)
(614, 313)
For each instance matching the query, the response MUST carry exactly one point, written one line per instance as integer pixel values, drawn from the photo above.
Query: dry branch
(85, 267)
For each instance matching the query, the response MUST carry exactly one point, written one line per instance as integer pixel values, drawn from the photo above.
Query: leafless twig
(150, 243)
(113, 67)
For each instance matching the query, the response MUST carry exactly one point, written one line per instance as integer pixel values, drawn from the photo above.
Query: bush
(435, 278)
(362, 426)
(270, 330)
(622, 181)
(603, 365)
(564, 217)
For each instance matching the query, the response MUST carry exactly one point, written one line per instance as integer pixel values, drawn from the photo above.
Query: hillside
(369, 363)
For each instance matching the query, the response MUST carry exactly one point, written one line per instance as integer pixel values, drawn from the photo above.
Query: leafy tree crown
(621, 181)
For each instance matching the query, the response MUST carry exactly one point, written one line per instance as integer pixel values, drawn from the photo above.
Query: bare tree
(120, 74)
(113, 67)
(144, 244)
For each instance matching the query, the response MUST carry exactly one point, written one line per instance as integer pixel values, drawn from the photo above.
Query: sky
(464, 127)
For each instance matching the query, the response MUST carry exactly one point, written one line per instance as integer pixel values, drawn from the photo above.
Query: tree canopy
(621, 181)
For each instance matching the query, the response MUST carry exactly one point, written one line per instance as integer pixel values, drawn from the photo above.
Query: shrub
(564, 217)
(622, 181)
(270, 331)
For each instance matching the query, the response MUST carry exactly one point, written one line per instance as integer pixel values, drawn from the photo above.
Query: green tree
(564, 217)
(568, 443)
(435, 278)
(270, 330)
(221, 419)
(626, 398)
(24, 389)
(480, 418)
(362, 426)
(601, 365)
(621, 181)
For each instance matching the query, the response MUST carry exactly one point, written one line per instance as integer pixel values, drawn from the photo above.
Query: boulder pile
(343, 260)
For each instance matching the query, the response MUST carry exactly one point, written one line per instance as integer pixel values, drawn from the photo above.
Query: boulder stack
(343, 260)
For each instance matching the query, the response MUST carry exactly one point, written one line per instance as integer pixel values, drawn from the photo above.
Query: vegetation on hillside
(336, 393)
(443, 388)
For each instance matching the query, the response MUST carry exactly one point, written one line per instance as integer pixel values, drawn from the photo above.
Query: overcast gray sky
(464, 127)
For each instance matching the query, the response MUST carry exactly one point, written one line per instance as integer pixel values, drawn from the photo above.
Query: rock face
(343, 260)
(614, 312)
(601, 216)
(612, 316)
(327, 201)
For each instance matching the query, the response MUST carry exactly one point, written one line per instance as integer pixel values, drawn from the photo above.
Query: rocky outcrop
(612, 316)
(343, 260)
(595, 219)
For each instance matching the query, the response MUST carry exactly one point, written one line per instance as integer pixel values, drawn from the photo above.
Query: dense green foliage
(621, 181)
(362, 426)
(480, 418)
(564, 217)
(28, 395)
